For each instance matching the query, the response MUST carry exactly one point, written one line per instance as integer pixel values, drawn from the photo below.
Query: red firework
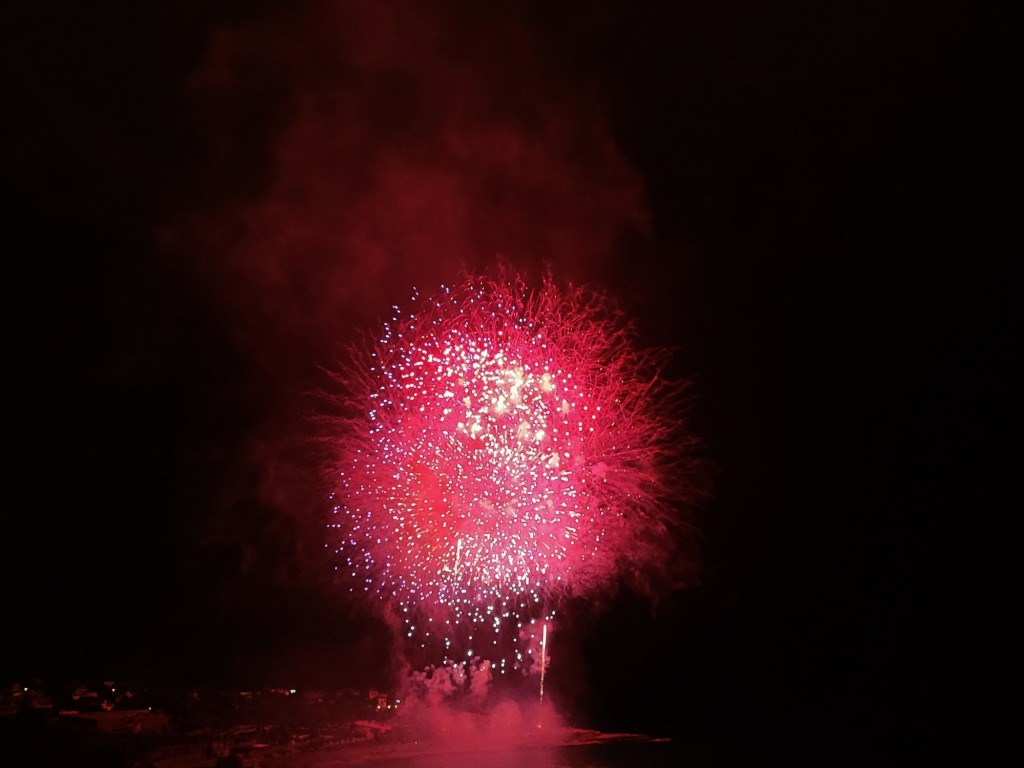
(504, 449)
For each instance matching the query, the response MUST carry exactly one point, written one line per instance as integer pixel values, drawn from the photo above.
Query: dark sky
(203, 205)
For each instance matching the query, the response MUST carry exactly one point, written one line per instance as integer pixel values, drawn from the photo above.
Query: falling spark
(543, 659)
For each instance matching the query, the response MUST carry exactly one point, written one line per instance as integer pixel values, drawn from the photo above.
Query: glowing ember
(505, 449)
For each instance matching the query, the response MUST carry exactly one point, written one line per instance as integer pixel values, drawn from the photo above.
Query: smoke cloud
(347, 154)
(357, 150)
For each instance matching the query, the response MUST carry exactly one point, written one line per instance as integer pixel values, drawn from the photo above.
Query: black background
(824, 183)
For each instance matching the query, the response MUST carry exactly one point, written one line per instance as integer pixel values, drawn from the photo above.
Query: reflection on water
(610, 755)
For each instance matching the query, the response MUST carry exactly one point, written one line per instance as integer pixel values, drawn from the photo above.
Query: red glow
(507, 448)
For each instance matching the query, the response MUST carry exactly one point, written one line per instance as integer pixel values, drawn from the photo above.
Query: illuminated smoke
(343, 151)
(503, 449)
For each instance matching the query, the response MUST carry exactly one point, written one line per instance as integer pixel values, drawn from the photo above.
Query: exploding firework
(504, 449)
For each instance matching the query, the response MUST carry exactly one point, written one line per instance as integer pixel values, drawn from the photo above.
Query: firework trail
(504, 449)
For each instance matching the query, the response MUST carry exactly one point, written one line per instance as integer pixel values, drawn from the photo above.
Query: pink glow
(505, 449)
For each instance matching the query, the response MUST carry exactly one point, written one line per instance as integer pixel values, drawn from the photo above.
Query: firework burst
(503, 449)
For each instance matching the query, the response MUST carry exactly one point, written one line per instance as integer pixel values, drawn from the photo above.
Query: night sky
(205, 202)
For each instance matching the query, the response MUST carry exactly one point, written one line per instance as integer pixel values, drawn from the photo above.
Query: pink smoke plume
(349, 151)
